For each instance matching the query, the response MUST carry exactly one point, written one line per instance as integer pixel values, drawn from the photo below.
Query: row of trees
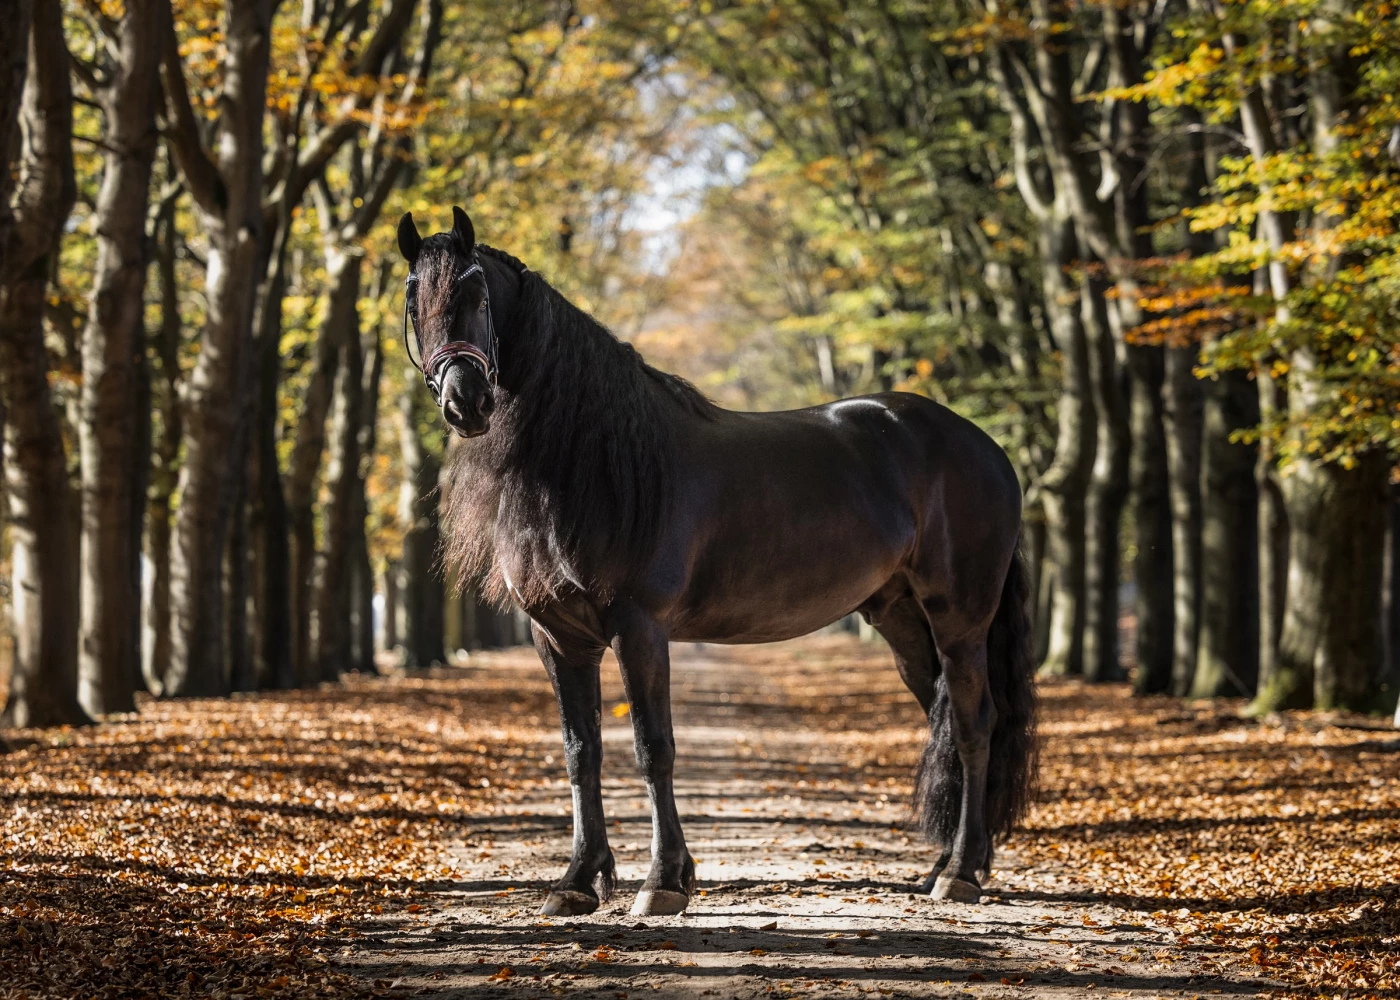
(1154, 247)
(217, 453)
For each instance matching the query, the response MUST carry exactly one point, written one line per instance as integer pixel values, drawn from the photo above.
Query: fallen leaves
(229, 847)
(1272, 847)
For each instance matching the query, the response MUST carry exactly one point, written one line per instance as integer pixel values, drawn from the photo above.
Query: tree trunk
(1183, 410)
(270, 524)
(1108, 491)
(228, 191)
(17, 16)
(333, 602)
(363, 572)
(1227, 659)
(303, 477)
(165, 467)
(241, 673)
(44, 553)
(390, 636)
(1033, 535)
(1152, 519)
(1273, 534)
(113, 345)
(1065, 484)
(1330, 650)
(421, 592)
(1390, 683)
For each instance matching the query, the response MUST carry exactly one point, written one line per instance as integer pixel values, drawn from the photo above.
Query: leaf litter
(230, 848)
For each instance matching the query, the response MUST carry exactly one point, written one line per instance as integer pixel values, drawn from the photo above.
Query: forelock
(436, 275)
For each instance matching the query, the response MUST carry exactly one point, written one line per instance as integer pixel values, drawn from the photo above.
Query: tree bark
(44, 553)
(165, 470)
(362, 655)
(1183, 409)
(1065, 484)
(17, 16)
(1273, 535)
(333, 605)
(1227, 658)
(1390, 606)
(302, 480)
(227, 188)
(1152, 522)
(238, 652)
(113, 356)
(421, 593)
(1108, 490)
(270, 521)
(390, 636)
(1330, 650)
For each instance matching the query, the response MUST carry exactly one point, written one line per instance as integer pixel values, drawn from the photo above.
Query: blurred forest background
(1150, 245)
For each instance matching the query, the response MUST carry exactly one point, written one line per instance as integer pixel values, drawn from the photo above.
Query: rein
(437, 363)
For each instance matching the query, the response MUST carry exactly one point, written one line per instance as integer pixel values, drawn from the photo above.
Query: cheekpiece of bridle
(435, 365)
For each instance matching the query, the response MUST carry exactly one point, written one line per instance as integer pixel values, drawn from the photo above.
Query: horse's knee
(582, 759)
(656, 757)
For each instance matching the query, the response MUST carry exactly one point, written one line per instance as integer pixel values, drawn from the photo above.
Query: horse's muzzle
(467, 401)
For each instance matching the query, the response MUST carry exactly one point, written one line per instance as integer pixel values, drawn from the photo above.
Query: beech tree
(126, 80)
(44, 589)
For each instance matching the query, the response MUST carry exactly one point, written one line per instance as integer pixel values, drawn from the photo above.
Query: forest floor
(395, 836)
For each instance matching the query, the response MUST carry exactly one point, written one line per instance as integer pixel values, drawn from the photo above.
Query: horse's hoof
(956, 889)
(659, 903)
(568, 903)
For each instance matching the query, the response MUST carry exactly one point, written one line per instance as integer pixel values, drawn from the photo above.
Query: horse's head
(447, 300)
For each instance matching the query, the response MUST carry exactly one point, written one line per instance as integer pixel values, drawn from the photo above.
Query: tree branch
(206, 184)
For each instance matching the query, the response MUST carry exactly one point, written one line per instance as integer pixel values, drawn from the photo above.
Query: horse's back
(789, 520)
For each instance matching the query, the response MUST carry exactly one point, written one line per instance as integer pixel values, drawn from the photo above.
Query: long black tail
(1011, 770)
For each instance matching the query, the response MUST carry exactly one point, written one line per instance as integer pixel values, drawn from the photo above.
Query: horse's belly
(767, 591)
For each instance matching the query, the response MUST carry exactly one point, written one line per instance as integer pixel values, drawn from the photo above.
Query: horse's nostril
(487, 405)
(451, 412)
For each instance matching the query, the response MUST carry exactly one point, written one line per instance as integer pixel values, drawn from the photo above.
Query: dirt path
(792, 782)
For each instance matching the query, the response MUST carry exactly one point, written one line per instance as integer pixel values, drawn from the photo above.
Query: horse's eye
(481, 308)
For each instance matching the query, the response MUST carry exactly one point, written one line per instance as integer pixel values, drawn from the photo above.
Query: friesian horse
(619, 507)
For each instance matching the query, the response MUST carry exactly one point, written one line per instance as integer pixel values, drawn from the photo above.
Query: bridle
(435, 365)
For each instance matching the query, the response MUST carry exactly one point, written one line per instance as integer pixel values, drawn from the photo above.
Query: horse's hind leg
(968, 715)
(590, 876)
(906, 630)
(644, 655)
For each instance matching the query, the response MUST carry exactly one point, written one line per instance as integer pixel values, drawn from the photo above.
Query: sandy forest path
(794, 763)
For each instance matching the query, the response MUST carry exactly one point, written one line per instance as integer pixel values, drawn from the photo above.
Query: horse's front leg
(574, 674)
(644, 654)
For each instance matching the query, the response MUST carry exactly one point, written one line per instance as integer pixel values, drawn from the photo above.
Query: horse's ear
(409, 240)
(462, 230)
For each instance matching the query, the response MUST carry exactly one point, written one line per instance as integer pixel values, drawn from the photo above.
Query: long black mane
(580, 461)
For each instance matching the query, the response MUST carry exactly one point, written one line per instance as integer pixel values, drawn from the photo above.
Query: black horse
(619, 507)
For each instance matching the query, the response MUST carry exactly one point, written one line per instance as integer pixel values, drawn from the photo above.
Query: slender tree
(422, 597)
(165, 470)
